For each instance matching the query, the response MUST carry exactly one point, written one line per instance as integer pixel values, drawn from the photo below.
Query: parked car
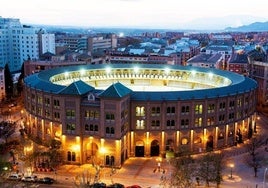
(15, 177)
(115, 185)
(46, 180)
(98, 185)
(134, 186)
(29, 179)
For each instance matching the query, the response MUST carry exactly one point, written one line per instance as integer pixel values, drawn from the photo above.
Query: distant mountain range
(256, 26)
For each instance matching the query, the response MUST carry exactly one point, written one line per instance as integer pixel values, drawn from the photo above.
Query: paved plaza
(141, 171)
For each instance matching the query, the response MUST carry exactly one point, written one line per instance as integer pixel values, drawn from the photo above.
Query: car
(29, 178)
(98, 185)
(134, 186)
(15, 177)
(115, 185)
(46, 180)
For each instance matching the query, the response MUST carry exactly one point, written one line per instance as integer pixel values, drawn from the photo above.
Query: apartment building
(19, 42)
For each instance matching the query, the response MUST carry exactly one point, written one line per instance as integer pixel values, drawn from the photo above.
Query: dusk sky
(136, 13)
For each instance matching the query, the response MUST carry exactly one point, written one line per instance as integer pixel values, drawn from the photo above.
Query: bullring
(110, 112)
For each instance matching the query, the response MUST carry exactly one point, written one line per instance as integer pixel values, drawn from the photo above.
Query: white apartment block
(19, 43)
(46, 43)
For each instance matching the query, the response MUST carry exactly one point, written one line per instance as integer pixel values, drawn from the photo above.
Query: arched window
(107, 130)
(112, 130)
(112, 160)
(71, 156)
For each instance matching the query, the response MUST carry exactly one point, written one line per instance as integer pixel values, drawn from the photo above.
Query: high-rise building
(46, 42)
(20, 42)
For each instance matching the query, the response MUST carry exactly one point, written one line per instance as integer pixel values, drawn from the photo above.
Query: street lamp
(232, 166)
(264, 178)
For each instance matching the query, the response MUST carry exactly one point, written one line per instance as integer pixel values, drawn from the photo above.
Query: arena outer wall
(107, 126)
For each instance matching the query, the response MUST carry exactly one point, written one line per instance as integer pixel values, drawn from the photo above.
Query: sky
(136, 13)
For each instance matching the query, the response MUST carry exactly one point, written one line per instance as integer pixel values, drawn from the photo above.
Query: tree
(254, 159)
(210, 168)
(20, 80)
(7, 129)
(182, 173)
(8, 82)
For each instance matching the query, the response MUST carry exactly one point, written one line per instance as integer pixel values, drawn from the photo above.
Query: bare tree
(254, 159)
(7, 129)
(183, 171)
(210, 168)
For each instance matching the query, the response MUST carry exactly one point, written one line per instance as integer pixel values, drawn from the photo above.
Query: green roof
(116, 90)
(77, 88)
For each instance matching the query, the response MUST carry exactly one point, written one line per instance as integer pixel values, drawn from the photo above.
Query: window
(184, 123)
(47, 113)
(170, 110)
(96, 128)
(210, 121)
(221, 118)
(185, 109)
(109, 117)
(211, 108)
(56, 115)
(109, 130)
(47, 101)
(70, 113)
(198, 122)
(198, 109)
(222, 106)
(56, 104)
(155, 111)
(39, 111)
(239, 102)
(231, 104)
(155, 123)
(140, 124)
(39, 100)
(71, 156)
(70, 127)
(231, 116)
(170, 123)
(86, 127)
(140, 111)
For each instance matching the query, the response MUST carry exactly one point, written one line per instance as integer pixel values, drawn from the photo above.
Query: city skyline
(169, 14)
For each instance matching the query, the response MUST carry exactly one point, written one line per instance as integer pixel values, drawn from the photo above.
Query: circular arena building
(111, 112)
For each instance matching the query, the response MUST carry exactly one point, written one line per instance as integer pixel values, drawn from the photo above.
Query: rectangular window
(184, 123)
(39, 100)
(231, 104)
(56, 104)
(47, 113)
(185, 109)
(140, 124)
(198, 122)
(199, 109)
(210, 121)
(170, 110)
(70, 114)
(155, 111)
(211, 108)
(70, 127)
(47, 101)
(140, 111)
(222, 106)
(109, 117)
